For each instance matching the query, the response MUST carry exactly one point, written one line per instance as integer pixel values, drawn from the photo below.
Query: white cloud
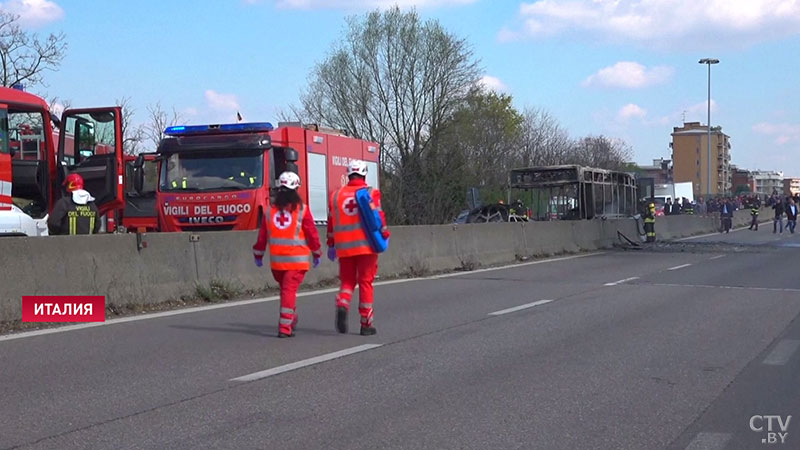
(630, 75)
(33, 13)
(222, 102)
(783, 133)
(493, 84)
(631, 111)
(663, 23)
(701, 109)
(220, 108)
(366, 4)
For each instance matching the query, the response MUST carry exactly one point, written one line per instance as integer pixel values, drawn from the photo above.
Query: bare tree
(159, 121)
(395, 80)
(602, 152)
(58, 105)
(23, 56)
(132, 135)
(543, 141)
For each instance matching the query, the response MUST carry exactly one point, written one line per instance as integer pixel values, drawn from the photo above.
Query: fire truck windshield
(202, 170)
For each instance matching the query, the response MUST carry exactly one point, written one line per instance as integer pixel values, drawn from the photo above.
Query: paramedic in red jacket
(289, 230)
(358, 262)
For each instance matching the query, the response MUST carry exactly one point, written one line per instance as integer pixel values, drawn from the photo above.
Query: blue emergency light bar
(185, 130)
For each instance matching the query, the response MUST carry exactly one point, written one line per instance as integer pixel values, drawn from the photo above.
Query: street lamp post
(709, 62)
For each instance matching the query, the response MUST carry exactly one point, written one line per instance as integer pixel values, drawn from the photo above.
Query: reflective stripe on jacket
(288, 249)
(348, 234)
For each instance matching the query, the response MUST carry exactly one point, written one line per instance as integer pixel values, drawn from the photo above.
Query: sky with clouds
(624, 69)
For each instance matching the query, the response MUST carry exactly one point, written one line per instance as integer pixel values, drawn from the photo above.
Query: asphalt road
(674, 346)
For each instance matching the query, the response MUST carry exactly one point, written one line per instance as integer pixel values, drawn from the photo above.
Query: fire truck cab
(219, 177)
(38, 151)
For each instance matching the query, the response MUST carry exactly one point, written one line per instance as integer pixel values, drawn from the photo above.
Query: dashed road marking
(27, 334)
(621, 281)
(717, 257)
(679, 267)
(305, 362)
(782, 352)
(743, 288)
(520, 307)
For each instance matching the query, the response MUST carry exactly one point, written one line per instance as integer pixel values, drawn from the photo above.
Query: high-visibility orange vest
(288, 249)
(348, 235)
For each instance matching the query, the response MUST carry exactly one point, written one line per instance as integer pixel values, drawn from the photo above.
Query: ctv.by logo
(773, 422)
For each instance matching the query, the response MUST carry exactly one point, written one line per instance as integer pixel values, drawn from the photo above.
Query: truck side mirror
(291, 156)
(138, 174)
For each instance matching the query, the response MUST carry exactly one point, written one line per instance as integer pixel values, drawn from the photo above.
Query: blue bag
(371, 221)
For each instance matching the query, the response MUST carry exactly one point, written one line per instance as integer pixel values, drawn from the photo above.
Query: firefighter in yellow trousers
(650, 223)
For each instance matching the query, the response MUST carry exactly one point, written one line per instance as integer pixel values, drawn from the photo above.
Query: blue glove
(259, 262)
(332, 253)
(316, 262)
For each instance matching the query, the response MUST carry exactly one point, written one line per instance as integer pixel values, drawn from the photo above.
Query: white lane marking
(621, 281)
(782, 352)
(743, 288)
(305, 363)
(679, 267)
(717, 257)
(709, 441)
(195, 309)
(733, 230)
(520, 307)
(510, 266)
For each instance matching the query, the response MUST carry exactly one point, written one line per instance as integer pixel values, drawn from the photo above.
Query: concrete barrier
(174, 264)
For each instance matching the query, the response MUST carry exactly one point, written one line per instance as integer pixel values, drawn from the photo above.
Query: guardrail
(174, 264)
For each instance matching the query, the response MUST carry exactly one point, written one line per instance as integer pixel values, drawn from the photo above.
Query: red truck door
(5, 158)
(140, 206)
(96, 146)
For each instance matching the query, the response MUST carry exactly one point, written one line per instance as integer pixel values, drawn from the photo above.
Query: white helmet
(289, 180)
(357, 167)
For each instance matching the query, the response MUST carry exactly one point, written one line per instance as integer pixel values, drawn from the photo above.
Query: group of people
(680, 206)
(711, 205)
(289, 236)
(782, 205)
(725, 206)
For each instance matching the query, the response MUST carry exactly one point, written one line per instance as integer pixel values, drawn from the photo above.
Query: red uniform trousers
(289, 281)
(359, 269)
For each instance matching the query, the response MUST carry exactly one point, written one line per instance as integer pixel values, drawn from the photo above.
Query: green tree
(479, 145)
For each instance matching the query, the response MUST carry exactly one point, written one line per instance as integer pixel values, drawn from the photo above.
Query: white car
(14, 222)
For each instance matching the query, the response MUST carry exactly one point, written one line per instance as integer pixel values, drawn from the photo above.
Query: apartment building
(768, 181)
(690, 162)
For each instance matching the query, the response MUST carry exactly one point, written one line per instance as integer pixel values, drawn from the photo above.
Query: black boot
(368, 331)
(341, 319)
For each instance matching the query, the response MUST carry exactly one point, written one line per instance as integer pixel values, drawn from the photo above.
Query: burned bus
(574, 192)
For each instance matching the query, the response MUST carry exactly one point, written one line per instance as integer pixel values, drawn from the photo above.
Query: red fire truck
(33, 165)
(218, 177)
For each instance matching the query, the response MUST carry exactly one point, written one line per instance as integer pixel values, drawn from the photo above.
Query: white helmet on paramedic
(357, 167)
(289, 180)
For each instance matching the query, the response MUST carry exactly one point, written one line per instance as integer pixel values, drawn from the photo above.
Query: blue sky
(624, 69)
